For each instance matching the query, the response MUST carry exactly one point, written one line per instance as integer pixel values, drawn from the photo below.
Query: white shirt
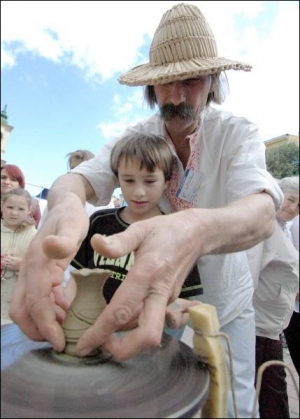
(231, 165)
(294, 229)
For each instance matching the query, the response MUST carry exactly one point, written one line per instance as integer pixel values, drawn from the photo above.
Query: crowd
(20, 218)
(204, 220)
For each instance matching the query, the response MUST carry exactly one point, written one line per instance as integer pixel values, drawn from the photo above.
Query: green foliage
(283, 160)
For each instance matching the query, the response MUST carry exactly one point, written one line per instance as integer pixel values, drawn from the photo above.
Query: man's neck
(180, 139)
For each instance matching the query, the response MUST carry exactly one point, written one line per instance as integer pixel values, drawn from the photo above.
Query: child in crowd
(143, 165)
(17, 231)
(12, 177)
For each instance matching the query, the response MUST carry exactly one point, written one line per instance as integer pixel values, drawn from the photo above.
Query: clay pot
(86, 307)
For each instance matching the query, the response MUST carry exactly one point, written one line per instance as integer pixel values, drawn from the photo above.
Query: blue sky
(60, 62)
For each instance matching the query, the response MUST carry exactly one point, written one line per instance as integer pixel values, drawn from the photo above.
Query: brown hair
(151, 150)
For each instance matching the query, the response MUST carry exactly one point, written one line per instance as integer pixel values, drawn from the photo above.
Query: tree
(283, 160)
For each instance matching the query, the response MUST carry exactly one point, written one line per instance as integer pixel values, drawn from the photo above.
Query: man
(220, 201)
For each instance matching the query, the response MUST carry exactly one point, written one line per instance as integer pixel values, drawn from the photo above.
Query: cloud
(127, 109)
(106, 38)
(101, 38)
(269, 95)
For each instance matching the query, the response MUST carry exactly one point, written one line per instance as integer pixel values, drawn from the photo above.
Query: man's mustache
(183, 111)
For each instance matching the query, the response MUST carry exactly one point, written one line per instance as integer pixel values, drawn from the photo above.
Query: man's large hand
(165, 251)
(39, 305)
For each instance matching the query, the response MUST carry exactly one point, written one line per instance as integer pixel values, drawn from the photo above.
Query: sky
(60, 63)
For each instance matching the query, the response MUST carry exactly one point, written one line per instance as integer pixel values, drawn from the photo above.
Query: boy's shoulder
(103, 213)
(107, 221)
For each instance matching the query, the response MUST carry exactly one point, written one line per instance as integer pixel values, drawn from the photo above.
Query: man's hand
(39, 304)
(177, 314)
(165, 251)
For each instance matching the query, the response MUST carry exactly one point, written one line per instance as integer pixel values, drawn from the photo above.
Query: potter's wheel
(168, 381)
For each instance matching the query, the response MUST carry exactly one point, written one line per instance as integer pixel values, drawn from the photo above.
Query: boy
(142, 164)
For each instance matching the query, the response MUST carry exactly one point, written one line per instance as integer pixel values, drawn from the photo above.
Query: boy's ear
(166, 184)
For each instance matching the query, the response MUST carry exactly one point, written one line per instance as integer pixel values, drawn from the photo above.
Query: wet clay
(86, 307)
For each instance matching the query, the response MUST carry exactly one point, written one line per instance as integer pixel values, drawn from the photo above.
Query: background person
(213, 151)
(74, 159)
(16, 234)
(12, 177)
(77, 157)
(275, 267)
(292, 332)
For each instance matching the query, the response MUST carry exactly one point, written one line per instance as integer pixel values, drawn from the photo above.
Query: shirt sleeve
(247, 173)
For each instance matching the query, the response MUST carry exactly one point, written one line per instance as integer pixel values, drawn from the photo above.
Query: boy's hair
(151, 150)
(15, 173)
(80, 155)
(18, 192)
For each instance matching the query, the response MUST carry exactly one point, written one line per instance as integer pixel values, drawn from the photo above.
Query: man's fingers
(59, 247)
(45, 315)
(19, 314)
(177, 313)
(121, 243)
(146, 335)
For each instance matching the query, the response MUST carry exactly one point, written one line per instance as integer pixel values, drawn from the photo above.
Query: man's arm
(166, 247)
(38, 306)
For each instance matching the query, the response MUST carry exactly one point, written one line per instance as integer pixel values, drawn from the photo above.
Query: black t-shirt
(108, 222)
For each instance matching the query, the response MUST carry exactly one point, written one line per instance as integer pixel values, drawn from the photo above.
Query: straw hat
(183, 47)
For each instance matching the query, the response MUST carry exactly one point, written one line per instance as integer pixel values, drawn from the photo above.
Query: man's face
(181, 102)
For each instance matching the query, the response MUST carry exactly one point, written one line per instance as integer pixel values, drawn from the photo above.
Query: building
(5, 131)
(282, 139)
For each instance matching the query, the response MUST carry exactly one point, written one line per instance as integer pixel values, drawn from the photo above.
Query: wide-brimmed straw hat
(183, 47)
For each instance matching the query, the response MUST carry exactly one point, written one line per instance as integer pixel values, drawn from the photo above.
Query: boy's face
(141, 189)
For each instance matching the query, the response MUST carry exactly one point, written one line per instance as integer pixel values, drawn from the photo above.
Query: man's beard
(183, 111)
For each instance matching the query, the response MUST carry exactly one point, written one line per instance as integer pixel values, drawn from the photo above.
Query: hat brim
(147, 74)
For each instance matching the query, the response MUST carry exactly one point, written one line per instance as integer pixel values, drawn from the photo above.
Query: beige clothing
(14, 244)
(274, 265)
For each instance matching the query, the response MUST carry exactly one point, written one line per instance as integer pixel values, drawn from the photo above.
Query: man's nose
(176, 93)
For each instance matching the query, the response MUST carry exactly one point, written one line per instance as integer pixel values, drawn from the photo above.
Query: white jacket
(275, 266)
